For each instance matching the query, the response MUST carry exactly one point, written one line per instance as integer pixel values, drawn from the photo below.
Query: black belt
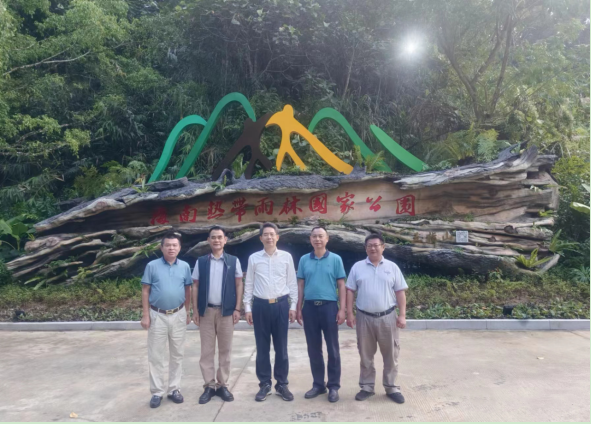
(378, 314)
(318, 302)
(209, 305)
(276, 300)
(169, 311)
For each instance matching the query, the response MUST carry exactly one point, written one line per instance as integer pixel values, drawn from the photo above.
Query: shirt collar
(367, 261)
(176, 261)
(313, 256)
(221, 258)
(264, 253)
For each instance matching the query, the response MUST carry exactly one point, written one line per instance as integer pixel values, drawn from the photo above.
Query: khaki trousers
(211, 326)
(382, 332)
(163, 328)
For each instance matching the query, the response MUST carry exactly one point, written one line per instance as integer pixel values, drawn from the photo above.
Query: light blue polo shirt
(167, 282)
(321, 275)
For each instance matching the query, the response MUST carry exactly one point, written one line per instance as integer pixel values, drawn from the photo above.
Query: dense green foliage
(89, 90)
(428, 297)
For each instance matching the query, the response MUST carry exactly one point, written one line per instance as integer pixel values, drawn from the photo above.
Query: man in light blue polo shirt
(320, 273)
(166, 297)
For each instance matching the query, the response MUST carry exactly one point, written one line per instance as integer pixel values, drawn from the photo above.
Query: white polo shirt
(375, 286)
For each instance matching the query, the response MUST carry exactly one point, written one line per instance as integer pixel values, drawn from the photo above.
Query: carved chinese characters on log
(360, 201)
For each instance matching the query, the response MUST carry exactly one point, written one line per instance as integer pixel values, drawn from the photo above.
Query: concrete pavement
(444, 375)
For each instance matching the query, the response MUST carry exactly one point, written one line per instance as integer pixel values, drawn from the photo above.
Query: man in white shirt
(380, 286)
(270, 281)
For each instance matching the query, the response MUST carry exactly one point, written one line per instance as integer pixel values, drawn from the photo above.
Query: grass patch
(472, 297)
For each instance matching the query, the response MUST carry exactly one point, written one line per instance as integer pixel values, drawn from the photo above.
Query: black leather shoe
(155, 401)
(225, 394)
(207, 395)
(263, 393)
(396, 397)
(363, 395)
(333, 395)
(315, 391)
(284, 392)
(176, 396)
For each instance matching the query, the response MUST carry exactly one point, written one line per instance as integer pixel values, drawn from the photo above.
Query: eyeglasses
(373, 246)
(268, 235)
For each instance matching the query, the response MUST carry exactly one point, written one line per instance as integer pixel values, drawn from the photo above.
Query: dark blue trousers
(318, 320)
(271, 320)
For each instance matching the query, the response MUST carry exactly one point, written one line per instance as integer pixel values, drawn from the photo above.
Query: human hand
(401, 322)
(292, 316)
(196, 319)
(351, 321)
(341, 317)
(300, 318)
(248, 317)
(188, 318)
(145, 322)
(236, 316)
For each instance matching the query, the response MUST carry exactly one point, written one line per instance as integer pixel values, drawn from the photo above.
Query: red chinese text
(265, 206)
(188, 214)
(239, 207)
(318, 203)
(290, 206)
(159, 217)
(345, 201)
(374, 206)
(406, 204)
(215, 210)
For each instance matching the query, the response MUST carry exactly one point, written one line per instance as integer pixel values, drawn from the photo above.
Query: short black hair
(171, 235)
(217, 228)
(374, 236)
(318, 227)
(268, 225)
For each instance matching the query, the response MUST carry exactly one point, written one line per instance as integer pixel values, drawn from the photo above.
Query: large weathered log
(497, 203)
(480, 172)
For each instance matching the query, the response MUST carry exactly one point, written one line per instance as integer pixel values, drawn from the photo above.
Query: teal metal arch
(213, 119)
(335, 115)
(171, 141)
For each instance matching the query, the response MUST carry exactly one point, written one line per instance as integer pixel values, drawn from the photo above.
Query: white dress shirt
(375, 286)
(270, 277)
(216, 273)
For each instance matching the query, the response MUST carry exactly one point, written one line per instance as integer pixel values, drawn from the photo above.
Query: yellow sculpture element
(289, 125)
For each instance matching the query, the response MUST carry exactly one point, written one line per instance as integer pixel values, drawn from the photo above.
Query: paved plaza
(444, 375)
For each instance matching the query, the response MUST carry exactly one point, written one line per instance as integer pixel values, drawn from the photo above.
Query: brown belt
(169, 311)
(276, 300)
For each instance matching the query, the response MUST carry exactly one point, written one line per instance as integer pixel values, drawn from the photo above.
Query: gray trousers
(371, 333)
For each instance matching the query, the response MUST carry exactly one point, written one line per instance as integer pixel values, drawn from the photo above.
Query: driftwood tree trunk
(498, 204)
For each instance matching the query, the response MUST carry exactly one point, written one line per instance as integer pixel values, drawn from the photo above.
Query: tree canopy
(89, 90)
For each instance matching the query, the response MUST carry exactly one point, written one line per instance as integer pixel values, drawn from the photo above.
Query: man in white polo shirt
(380, 286)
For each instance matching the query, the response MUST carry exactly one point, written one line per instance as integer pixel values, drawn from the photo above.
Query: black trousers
(318, 320)
(271, 320)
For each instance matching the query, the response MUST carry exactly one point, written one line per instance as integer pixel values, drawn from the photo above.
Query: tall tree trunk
(349, 73)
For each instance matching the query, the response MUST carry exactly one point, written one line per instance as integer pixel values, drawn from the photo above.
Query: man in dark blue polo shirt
(166, 297)
(320, 273)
